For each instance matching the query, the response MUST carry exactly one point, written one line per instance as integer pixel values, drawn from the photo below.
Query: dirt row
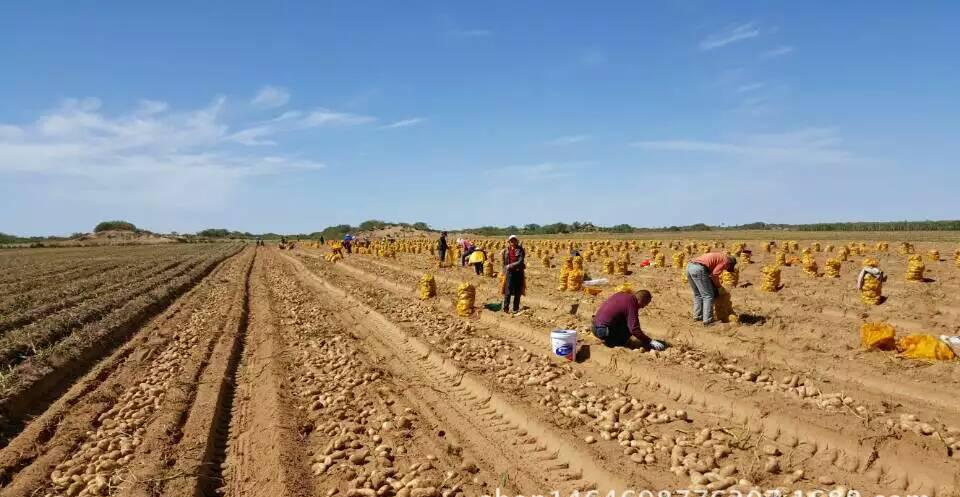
(140, 422)
(821, 345)
(780, 408)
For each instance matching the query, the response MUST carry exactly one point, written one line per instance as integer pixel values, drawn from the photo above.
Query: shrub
(114, 226)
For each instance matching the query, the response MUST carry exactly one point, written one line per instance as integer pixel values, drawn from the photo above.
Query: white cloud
(731, 35)
(150, 107)
(326, 117)
(270, 97)
(803, 147)
(541, 171)
(149, 155)
(777, 52)
(403, 123)
(568, 140)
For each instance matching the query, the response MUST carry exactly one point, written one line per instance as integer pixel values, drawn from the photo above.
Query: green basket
(495, 307)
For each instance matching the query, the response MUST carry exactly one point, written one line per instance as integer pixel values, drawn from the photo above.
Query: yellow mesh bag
(730, 279)
(770, 279)
(678, 259)
(608, 266)
(575, 280)
(623, 288)
(934, 255)
(871, 293)
(880, 336)
(915, 268)
(924, 347)
(781, 259)
(659, 260)
(427, 287)
(466, 297)
(832, 268)
(723, 306)
(488, 269)
(809, 265)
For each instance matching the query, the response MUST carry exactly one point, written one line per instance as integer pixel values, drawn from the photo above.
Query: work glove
(657, 345)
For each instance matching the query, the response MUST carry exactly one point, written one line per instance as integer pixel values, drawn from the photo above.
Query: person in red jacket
(618, 319)
(703, 274)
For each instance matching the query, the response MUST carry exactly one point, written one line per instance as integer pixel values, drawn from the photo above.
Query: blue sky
(293, 116)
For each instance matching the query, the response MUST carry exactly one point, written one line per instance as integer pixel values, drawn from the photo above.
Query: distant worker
(513, 272)
(703, 273)
(477, 258)
(467, 248)
(321, 240)
(347, 242)
(442, 247)
(618, 318)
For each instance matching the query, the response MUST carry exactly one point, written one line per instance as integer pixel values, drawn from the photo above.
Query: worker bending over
(703, 273)
(618, 319)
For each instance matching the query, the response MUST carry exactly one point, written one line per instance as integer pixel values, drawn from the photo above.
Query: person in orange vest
(703, 273)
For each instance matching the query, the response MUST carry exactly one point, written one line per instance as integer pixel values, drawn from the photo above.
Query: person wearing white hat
(513, 271)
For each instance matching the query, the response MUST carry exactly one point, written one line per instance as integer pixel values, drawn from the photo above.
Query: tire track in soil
(522, 451)
(836, 448)
(565, 465)
(263, 453)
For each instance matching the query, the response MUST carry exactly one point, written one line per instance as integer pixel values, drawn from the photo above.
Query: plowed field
(241, 371)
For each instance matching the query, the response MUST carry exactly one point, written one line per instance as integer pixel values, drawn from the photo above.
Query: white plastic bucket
(564, 343)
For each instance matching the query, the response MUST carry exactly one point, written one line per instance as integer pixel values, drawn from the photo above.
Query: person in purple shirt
(618, 318)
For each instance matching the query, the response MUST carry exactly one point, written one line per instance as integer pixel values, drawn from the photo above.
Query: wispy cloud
(270, 97)
(806, 146)
(543, 170)
(404, 123)
(471, 33)
(568, 140)
(750, 87)
(729, 36)
(151, 153)
(777, 52)
(326, 117)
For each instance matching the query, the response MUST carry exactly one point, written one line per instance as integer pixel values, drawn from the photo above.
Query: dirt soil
(283, 374)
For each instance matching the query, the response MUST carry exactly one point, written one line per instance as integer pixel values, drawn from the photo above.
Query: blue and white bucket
(564, 343)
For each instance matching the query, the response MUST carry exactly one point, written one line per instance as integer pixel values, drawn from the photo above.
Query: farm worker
(477, 258)
(347, 241)
(618, 319)
(442, 247)
(513, 271)
(467, 249)
(703, 273)
(321, 240)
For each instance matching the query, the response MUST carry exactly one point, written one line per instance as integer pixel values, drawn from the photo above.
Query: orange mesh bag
(880, 336)
(924, 347)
